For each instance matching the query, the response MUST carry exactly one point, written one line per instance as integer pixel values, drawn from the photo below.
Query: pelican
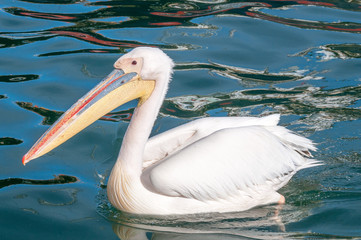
(214, 164)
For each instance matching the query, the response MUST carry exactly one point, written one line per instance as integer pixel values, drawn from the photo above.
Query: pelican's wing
(166, 143)
(230, 160)
(173, 140)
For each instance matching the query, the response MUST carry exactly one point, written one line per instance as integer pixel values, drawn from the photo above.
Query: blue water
(297, 58)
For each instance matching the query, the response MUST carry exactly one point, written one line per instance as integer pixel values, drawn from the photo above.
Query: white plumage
(208, 165)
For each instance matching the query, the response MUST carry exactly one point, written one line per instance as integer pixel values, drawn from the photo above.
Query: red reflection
(51, 16)
(343, 29)
(225, 103)
(170, 110)
(97, 40)
(166, 24)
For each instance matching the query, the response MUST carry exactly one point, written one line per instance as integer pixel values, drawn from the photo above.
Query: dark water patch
(346, 50)
(60, 179)
(50, 116)
(52, 1)
(337, 26)
(18, 78)
(9, 141)
(318, 236)
(9, 40)
(49, 16)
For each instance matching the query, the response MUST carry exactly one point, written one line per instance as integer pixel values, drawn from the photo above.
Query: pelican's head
(156, 64)
(134, 77)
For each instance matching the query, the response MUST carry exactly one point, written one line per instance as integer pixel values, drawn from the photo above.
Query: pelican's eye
(134, 62)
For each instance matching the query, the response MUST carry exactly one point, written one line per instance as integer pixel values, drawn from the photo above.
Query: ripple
(319, 25)
(319, 108)
(269, 222)
(52, 1)
(10, 141)
(209, 224)
(60, 179)
(85, 27)
(18, 78)
(62, 197)
(331, 51)
(21, 38)
(50, 116)
(246, 74)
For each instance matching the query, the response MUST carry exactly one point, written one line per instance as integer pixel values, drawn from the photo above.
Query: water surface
(250, 58)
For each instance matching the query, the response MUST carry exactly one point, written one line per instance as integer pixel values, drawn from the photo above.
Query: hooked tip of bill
(25, 159)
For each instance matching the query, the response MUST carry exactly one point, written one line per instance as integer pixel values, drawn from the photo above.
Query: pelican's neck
(130, 157)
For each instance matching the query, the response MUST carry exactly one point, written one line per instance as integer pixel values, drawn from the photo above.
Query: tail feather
(301, 145)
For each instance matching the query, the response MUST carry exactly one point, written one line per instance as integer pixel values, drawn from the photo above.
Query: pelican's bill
(116, 89)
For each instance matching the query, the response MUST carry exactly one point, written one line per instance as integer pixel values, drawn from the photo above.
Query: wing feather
(228, 161)
(173, 140)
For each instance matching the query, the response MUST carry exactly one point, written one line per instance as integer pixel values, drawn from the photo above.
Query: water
(297, 58)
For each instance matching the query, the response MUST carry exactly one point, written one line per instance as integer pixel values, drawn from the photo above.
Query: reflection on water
(233, 58)
(9, 141)
(244, 74)
(332, 51)
(59, 198)
(132, 233)
(319, 108)
(60, 179)
(201, 226)
(18, 78)
(267, 222)
(86, 25)
(260, 223)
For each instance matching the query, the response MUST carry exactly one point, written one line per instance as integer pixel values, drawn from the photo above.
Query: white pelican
(218, 164)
